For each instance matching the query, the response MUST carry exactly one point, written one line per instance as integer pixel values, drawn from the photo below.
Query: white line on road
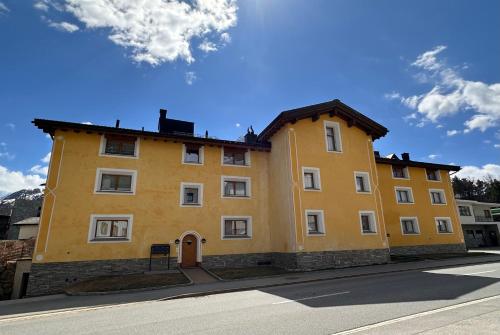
(309, 298)
(417, 315)
(477, 273)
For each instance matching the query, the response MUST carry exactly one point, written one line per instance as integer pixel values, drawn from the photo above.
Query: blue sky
(427, 70)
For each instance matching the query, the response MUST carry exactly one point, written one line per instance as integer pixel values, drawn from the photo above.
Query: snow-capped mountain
(21, 205)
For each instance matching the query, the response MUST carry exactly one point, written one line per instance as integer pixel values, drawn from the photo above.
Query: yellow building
(308, 192)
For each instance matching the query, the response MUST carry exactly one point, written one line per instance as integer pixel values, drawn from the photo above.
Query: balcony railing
(485, 219)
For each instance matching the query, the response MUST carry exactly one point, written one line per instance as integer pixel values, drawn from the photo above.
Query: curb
(248, 288)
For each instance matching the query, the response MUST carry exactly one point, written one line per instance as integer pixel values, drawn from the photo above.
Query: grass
(127, 282)
(251, 272)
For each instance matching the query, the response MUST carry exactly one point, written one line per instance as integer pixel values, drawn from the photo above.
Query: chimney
(117, 125)
(250, 137)
(405, 156)
(377, 154)
(163, 114)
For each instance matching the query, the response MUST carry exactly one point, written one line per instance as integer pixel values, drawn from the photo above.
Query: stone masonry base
(49, 278)
(428, 249)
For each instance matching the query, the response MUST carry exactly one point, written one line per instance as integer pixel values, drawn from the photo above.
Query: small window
(400, 172)
(404, 195)
(105, 228)
(234, 156)
(437, 197)
(315, 222)
(312, 180)
(362, 180)
(409, 226)
(191, 194)
(115, 181)
(443, 225)
(368, 223)
(192, 154)
(119, 145)
(236, 227)
(332, 137)
(235, 187)
(464, 210)
(433, 175)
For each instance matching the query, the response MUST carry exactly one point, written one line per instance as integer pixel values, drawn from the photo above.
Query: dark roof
(50, 126)
(334, 107)
(402, 162)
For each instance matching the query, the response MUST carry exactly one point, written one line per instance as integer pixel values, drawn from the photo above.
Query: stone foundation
(428, 249)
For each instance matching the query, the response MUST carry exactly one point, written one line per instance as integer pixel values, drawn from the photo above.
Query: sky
(429, 71)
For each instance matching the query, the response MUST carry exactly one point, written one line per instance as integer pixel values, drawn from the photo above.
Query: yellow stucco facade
(279, 205)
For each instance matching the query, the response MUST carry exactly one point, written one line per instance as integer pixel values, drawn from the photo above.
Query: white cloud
(207, 46)
(11, 181)
(190, 77)
(433, 156)
(3, 8)
(38, 169)
(475, 172)
(452, 94)
(11, 126)
(452, 132)
(46, 158)
(64, 26)
(157, 31)
(87, 123)
(496, 145)
(225, 38)
(42, 5)
(439, 126)
(487, 141)
(238, 125)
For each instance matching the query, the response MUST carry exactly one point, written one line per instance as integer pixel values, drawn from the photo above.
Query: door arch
(195, 243)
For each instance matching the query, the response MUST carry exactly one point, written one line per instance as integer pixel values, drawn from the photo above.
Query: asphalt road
(453, 300)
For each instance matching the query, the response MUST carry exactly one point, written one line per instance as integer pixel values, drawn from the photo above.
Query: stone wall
(7, 271)
(11, 250)
(428, 249)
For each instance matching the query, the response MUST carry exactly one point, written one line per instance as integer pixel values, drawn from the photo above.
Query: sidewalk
(56, 303)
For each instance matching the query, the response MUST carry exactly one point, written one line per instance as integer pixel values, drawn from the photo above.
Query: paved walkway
(59, 302)
(199, 276)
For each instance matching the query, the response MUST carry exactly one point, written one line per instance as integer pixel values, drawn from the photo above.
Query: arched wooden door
(189, 246)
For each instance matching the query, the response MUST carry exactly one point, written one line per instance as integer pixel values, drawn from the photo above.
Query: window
(464, 211)
(437, 197)
(115, 181)
(409, 226)
(236, 227)
(432, 174)
(332, 137)
(192, 154)
(443, 225)
(312, 181)
(104, 228)
(191, 195)
(117, 145)
(404, 195)
(234, 156)
(235, 187)
(400, 172)
(368, 223)
(315, 222)
(362, 180)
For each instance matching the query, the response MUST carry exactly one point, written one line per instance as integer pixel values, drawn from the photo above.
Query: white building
(28, 228)
(480, 227)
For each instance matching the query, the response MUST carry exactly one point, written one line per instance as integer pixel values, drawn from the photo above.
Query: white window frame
(248, 162)
(406, 172)
(373, 222)
(124, 172)
(471, 212)
(201, 155)
(321, 221)
(409, 218)
(248, 181)
(102, 147)
(366, 178)
(200, 194)
(93, 222)
(316, 177)
(404, 188)
(450, 224)
(443, 195)
(438, 172)
(337, 135)
(236, 217)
